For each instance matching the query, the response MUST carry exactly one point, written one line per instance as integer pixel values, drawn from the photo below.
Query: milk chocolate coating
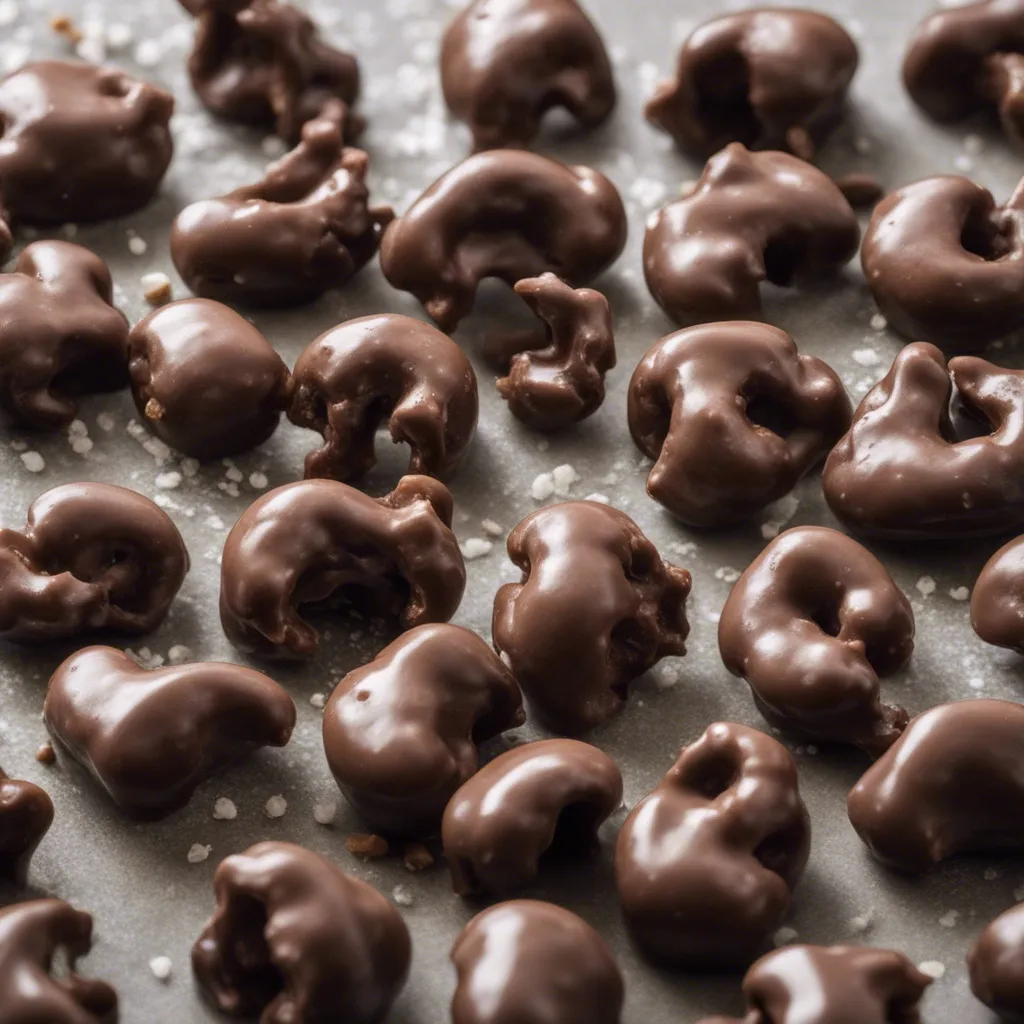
(946, 264)
(811, 625)
(303, 229)
(316, 540)
(596, 607)
(81, 143)
(909, 469)
(953, 783)
(507, 214)
(997, 601)
(151, 737)
(295, 939)
(734, 417)
(531, 961)
(706, 865)
(92, 556)
(31, 935)
(204, 380)
(378, 369)
(60, 334)
(545, 797)
(26, 813)
(506, 63)
(751, 217)
(996, 965)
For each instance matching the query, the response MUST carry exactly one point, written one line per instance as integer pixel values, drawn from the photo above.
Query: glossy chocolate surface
(996, 965)
(706, 865)
(595, 608)
(997, 600)
(734, 417)
(401, 733)
(26, 813)
(811, 625)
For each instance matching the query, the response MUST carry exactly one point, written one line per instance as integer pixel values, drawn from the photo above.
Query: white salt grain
(960, 593)
(197, 853)
(325, 811)
(861, 924)
(179, 654)
(933, 968)
(258, 481)
(161, 967)
(318, 700)
(878, 322)
(169, 481)
(401, 895)
(106, 422)
(542, 488)
(564, 477)
(491, 528)
(475, 547)
(784, 936)
(925, 586)
(949, 919)
(33, 462)
(276, 806)
(137, 246)
(866, 357)
(224, 809)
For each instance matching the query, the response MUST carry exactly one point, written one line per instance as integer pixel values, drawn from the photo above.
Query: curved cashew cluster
(997, 600)
(26, 813)
(993, 960)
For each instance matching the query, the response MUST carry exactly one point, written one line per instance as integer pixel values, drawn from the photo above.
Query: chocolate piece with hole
(997, 602)
(26, 813)
(706, 865)
(595, 608)
(294, 938)
(996, 965)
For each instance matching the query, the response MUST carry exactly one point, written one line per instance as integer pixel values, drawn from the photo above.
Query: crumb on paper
(156, 288)
(161, 967)
(666, 676)
(46, 754)
(401, 896)
(925, 586)
(935, 969)
(276, 806)
(416, 857)
(224, 809)
(865, 357)
(369, 847)
(960, 593)
(474, 548)
(325, 811)
(33, 462)
(197, 853)
(491, 528)
(169, 481)
(258, 481)
(861, 924)
(179, 654)
(784, 936)
(318, 700)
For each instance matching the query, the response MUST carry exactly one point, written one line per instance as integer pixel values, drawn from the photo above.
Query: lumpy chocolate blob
(507, 214)
(92, 556)
(385, 369)
(752, 217)
(531, 961)
(401, 733)
(811, 625)
(996, 964)
(60, 333)
(706, 865)
(596, 607)
(734, 417)
(294, 938)
(309, 542)
(26, 813)
(997, 601)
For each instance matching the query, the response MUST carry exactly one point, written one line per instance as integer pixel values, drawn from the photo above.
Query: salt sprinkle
(161, 967)
(119, 35)
(933, 968)
(137, 246)
(878, 322)
(9, 12)
(491, 528)
(949, 919)
(147, 53)
(925, 586)
(258, 480)
(727, 574)
(105, 422)
(861, 924)
(224, 809)
(234, 474)
(667, 676)
(601, 499)
(542, 488)
(784, 936)
(33, 461)
(169, 481)
(325, 811)
(866, 357)
(197, 853)
(179, 654)
(318, 700)
(976, 683)
(401, 895)
(475, 547)
(564, 477)
(960, 593)
(276, 806)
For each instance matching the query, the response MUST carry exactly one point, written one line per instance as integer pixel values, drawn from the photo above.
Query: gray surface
(147, 898)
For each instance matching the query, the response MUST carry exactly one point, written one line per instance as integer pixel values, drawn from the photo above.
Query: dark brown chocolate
(204, 380)
(507, 214)
(378, 369)
(706, 865)
(595, 608)
(811, 625)
(530, 961)
(751, 217)
(908, 468)
(996, 965)
(294, 938)
(319, 540)
(401, 733)
(303, 229)
(734, 416)
(506, 63)
(26, 813)
(543, 798)
(60, 334)
(951, 784)
(997, 601)
(92, 556)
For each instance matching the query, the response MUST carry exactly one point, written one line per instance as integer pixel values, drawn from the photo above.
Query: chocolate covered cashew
(996, 964)
(506, 63)
(734, 416)
(401, 733)
(997, 601)
(751, 217)
(706, 865)
(507, 214)
(531, 961)
(543, 798)
(319, 540)
(92, 556)
(811, 625)
(294, 938)
(60, 334)
(909, 468)
(951, 784)
(385, 368)
(26, 813)
(596, 607)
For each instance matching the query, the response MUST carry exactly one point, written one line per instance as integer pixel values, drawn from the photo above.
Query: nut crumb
(157, 291)
(416, 857)
(369, 847)
(64, 26)
(46, 754)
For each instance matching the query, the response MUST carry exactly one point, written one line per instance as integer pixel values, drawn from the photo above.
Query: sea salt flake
(866, 357)
(161, 967)
(137, 246)
(784, 936)
(197, 853)
(179, 654)
(949, 919)
(169, 481)
(33, 462)
(542, 488)
(933, 968)
(475, 547)
(318, 700)
(325, 811)
(224, 809)
(491, 528)
(960, 593)
(878, 322)
(258, 481)
(401, 895)
(564, 477)
(925, 586)
(276, 806)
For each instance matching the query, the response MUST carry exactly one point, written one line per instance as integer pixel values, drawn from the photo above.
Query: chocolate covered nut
(951, 784)
(596, 607)
(391, 369)
(506, 63)
(401, 733)
(996, 965)
(319, 540)
(531, 961)
(997, 602)
(751, 217)
(295, 939)
(60, 334)
(908, 468)
(506, 214)
(734, 416)
(92, 556)
(305, 228)
(151, 737)
(767, 78)
(541, 798)
(706, 865)
(26, 813)
(811, 625)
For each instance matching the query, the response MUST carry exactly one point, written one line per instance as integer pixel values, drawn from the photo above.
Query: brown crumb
(416, 857)
(64, 26)
(860, 189)
(46, 754)
(157, 289)
(154, 410)
(359, 844)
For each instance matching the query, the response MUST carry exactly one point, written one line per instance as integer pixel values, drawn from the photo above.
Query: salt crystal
(861, 924)
(949, 919)
(878, 322)
(401, 895)
(161, 967)
(325, 811)
(137, 246)
(542, 488)
(105, 422)
(276, 806)
(258, 481)
(224, 809)
(168, 481)
(491, 528)
(33, 462)
(933, 968)
(475, 547)
(564, 477)
(197, 853)
(179, 654)
(601, 499)
(784, 936)
(318, 700)
(119, 35)
(960, 593)
(866, 357)
(925, 586)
